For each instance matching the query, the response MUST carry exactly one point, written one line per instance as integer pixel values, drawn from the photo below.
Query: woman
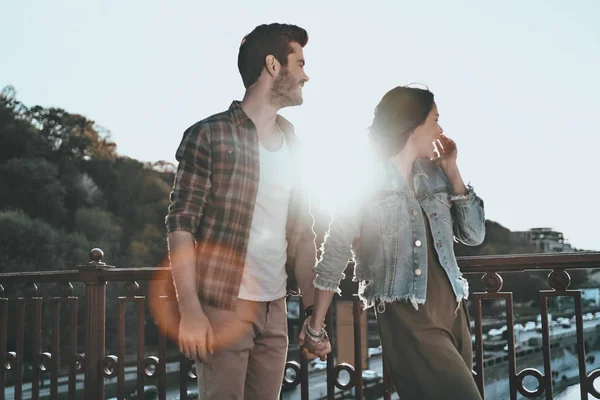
(401, 238)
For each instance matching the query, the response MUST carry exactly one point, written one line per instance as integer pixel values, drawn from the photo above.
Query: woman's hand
(446, 152)
(314, 347)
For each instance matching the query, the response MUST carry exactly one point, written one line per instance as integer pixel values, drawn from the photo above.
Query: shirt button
(417, 272)
(414, 213)
(418, 243)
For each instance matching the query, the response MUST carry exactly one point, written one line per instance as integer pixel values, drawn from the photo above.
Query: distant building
(591, 294)
(545, 240)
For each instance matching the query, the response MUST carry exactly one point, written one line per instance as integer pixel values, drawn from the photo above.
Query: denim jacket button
(417, 272)
(418, 243)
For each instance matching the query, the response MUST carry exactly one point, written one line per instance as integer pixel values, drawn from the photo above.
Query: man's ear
(272, 65)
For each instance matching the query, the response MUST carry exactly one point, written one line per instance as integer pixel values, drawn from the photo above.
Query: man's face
(288, 84)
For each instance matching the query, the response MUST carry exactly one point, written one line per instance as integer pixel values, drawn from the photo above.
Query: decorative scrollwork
(559, 279)
(336, 373)
(492, 282)
(79, 362)
(45, 359)
(293, 379)
(10, 361)
(590, 383)
(109, 366)
(526, 392)
(152, 364)
(131, 288)
(31, 290)
(65, 289)
(192, 375)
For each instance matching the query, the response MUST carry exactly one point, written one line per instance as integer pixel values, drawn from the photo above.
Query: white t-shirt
(265, 278)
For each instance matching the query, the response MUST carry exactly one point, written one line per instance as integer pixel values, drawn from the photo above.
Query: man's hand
(311, 349)
(196, 337)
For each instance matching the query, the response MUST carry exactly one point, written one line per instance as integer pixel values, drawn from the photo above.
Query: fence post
(95, 320)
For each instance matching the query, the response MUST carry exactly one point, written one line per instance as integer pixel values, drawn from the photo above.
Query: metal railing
(96, 366)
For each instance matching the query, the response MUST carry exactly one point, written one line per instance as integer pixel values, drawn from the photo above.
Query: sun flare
(334, 172)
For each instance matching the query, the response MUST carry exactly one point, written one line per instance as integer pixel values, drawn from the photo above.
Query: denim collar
(422, 168)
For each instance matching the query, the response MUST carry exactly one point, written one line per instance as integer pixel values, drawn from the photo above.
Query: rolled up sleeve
(192, 181)
(468, 218)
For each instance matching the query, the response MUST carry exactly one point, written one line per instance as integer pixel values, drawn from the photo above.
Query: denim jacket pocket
(390, 211)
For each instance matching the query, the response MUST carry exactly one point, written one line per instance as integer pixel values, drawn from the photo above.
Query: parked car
(519, 327)
(369, 375)
(517, 347)
(373, 351)
(565, 323)
(494, 332)
(529, 326)
(318, 364)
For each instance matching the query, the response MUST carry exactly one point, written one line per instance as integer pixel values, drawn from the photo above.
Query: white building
(546, 240)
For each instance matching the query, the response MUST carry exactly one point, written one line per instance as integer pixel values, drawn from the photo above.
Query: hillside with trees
(64, 190)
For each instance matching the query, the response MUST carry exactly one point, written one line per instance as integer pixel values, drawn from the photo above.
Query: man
(239, 228)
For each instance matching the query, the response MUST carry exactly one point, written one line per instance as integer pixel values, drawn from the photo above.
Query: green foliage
(71, 137)
(18, 138)
(32, 185)
(101, 229)
(63, 168)
(28, 244)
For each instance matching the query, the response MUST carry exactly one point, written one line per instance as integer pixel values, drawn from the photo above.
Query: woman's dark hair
(264, 40)
(399, 112)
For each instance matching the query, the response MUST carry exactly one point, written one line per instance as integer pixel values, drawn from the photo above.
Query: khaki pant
(251, 352)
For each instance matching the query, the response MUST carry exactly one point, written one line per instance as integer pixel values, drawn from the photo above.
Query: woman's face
(426, 133)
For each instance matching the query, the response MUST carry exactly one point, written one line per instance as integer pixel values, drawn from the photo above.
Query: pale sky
(516, 83)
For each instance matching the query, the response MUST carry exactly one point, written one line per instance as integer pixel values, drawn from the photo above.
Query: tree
(32, 185)
(18, 137)
(102, 230)
(71, 137)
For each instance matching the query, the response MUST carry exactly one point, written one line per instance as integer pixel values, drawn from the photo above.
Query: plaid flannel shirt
(214, 195)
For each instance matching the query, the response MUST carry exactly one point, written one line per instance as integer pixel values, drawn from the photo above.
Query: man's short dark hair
(264, 40)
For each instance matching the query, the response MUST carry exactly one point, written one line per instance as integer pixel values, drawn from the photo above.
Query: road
(522, 336)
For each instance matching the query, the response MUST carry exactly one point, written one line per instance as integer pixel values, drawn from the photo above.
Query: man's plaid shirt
(214, 195)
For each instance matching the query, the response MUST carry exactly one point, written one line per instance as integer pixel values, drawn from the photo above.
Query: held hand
(312, 347)
(196, 337)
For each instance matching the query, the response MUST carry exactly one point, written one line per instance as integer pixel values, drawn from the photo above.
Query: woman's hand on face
(446, 152)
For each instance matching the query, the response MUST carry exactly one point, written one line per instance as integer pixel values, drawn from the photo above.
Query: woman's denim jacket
(384, 233)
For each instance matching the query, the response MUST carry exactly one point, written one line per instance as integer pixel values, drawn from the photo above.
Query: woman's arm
(468, 214)
(336, 251)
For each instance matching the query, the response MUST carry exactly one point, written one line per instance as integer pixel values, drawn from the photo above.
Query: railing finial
(96, 255)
